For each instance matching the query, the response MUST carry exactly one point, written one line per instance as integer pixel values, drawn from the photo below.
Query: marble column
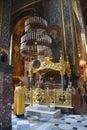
(59, 13)
(6, 71)
(5, 15)
(52, 14)
(5, 96)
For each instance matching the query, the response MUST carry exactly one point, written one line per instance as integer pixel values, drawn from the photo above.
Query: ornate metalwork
(63, 66)
(40, 96)
(47, 96)
(63, 98)
(3, 55)
(3, 50)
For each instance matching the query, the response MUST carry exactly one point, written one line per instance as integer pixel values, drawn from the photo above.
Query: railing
(48, 96)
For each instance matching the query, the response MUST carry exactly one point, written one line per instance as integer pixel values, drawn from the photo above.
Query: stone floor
(64, 122)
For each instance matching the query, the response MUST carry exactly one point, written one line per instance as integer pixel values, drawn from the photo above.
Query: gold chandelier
(35, 41)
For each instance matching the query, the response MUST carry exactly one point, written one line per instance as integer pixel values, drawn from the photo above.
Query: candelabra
(35, 41)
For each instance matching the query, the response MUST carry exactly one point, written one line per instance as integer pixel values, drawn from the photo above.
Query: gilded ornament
(47, 96)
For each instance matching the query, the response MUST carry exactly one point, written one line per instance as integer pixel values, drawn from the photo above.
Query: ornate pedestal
(5, 96)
